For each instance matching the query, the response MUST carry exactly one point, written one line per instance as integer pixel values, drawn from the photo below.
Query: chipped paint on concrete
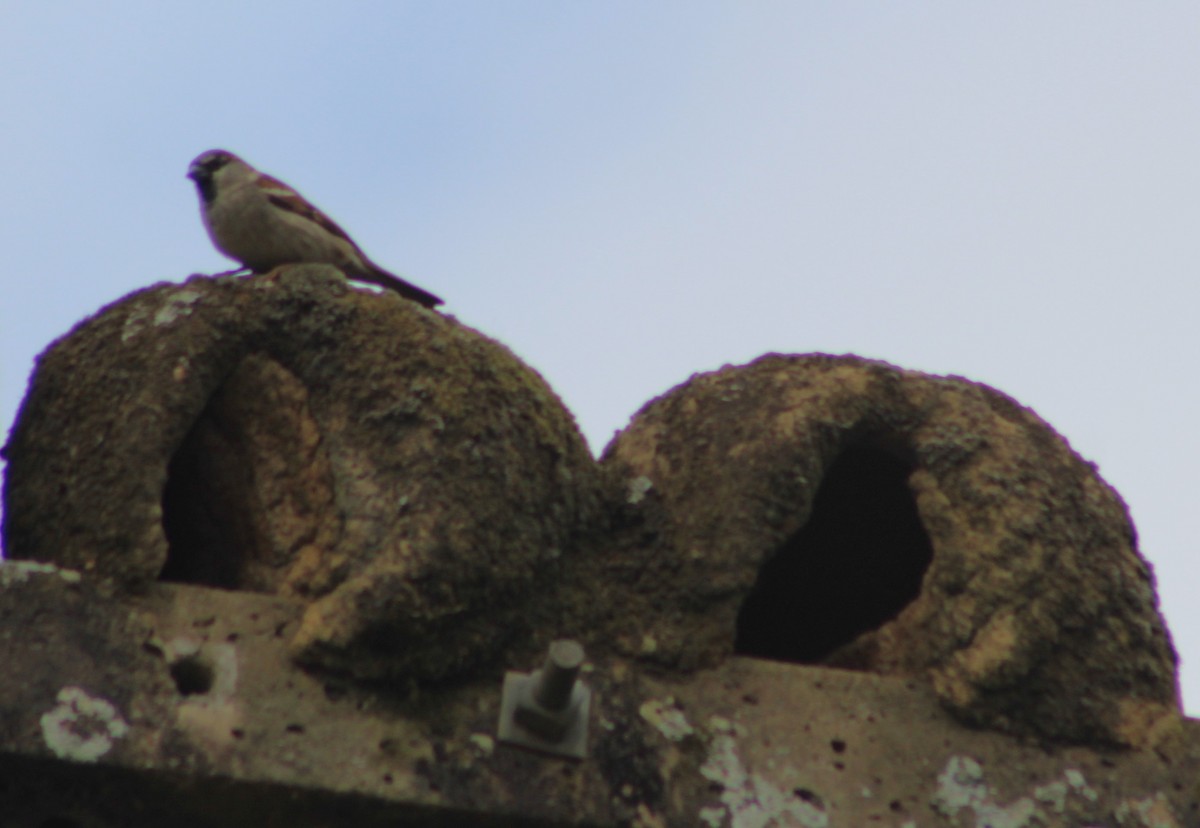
(82, 727)
(18, 572)
(666, 718)
(1151, 812)
(747, 799)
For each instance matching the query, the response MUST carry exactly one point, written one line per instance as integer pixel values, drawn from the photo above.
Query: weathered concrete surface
(1012, 582)
(182, 707)
(407, 477)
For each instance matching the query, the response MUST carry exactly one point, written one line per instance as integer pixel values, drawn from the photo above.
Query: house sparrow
(263, 223)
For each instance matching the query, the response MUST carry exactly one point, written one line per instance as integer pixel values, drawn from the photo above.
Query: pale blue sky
(627, 192)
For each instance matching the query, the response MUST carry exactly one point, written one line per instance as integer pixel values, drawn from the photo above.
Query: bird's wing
(285, 198)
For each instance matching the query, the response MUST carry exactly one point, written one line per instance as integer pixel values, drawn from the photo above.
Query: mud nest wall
(406, 477)
(849, 513)
(430, 505)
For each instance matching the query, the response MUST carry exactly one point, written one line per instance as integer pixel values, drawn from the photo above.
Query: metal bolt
(548, 709)
(557, 678)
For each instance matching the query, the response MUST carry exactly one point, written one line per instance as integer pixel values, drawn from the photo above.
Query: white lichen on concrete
(961, 785)
(179, 304)
(1053, 795)
(748, 800)
(483, 743)
(638, 488)
(1078, 784)
(18, 572)
(1151, 812)
(1017, 815)
(666, 718)
(135, 323)
(713, 815)
(81, 727)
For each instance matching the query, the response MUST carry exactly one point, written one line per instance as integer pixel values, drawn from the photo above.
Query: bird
(262, 223)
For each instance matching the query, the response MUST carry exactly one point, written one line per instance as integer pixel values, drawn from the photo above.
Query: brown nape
(857, 562)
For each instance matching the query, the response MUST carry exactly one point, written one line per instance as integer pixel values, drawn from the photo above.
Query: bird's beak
(194, 172)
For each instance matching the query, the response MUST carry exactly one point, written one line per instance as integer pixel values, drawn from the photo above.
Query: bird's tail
(379, 276)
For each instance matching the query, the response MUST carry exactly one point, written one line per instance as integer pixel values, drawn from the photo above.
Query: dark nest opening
(856, 564)
(206, 537)
(248, 485)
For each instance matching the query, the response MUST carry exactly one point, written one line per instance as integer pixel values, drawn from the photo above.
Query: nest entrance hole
(201, 514)
(856, 564)
(249, 486)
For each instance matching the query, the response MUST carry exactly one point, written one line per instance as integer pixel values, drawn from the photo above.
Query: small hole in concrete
(811, 798)
(857, 562)
(193, 677)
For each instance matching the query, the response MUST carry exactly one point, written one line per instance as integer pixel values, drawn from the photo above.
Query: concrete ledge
(182, 707)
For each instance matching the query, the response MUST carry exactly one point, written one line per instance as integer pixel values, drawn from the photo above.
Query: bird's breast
(249, 228)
